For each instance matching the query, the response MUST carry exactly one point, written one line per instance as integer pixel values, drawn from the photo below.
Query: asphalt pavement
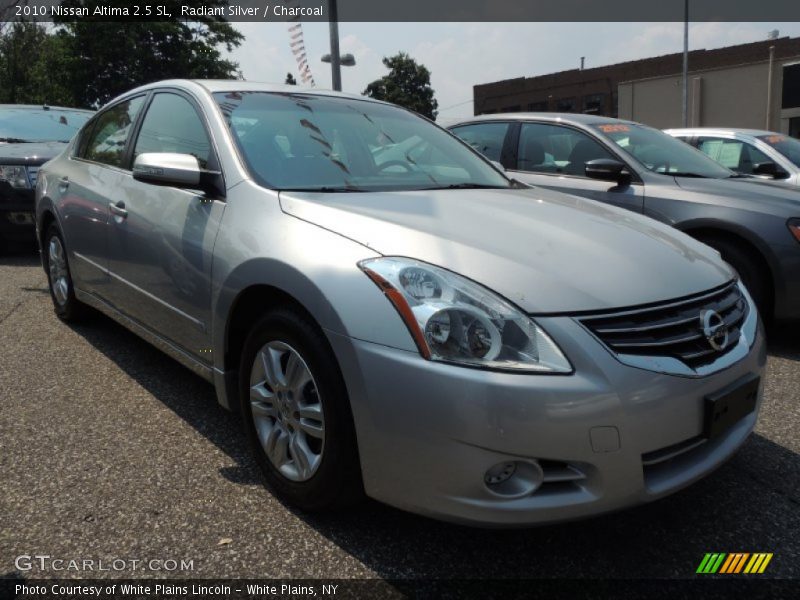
(109, 450)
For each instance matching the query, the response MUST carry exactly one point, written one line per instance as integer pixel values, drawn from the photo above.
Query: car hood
(32, 153)
(545, 251)
(766, 195)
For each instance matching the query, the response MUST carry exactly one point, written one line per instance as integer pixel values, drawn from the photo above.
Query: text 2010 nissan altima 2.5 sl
(392, 315)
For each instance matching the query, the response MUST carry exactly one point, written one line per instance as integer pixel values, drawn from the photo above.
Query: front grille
(33, 174)
(674, 329)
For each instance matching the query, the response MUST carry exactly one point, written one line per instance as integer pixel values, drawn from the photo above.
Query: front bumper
(17, 223)
(428, 432)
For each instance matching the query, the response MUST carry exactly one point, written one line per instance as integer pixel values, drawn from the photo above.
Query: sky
(460, 55)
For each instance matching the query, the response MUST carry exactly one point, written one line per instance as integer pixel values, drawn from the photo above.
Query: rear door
(554, 156)
(161, 238)
(91, 178)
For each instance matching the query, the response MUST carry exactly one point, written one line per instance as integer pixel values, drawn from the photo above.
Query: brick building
(650, 90)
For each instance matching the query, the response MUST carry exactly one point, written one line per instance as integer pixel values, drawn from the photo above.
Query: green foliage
(408, 84)
(32, 64)
(290, 80)
(87, 62)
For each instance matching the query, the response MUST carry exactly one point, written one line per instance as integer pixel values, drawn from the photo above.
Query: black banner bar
(710, 587)
(403, 11)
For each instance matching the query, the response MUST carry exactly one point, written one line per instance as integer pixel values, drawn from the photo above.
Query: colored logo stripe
(736, 562)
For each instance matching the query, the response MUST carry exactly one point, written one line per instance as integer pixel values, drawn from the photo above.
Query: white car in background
(748, 151)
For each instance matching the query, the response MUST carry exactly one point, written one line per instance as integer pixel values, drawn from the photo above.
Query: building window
(594, 104)
(566, 105)
(538, 106)
(791, 86)
(515, 108)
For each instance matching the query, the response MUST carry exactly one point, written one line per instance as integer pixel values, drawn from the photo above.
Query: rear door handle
(118, 209)
(63, 184)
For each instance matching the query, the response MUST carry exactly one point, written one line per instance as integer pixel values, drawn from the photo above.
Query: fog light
(514, 479)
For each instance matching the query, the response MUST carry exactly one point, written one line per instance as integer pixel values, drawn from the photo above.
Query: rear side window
(109, 135)
(547, 148)
(173, 125)
(486, 138)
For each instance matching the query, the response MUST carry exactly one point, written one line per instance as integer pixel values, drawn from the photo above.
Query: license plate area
(727, 407)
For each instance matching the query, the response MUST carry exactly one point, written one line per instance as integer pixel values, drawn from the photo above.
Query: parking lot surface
(110, 450)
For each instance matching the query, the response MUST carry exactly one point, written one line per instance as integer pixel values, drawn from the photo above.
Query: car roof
(241, 85)
(43, 107)
(702, 130)
(574, 118)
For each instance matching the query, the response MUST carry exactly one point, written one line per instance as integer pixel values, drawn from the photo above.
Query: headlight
(15, 175)
(794, 227)
(455, 320)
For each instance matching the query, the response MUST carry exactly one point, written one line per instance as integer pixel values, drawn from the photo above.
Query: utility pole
(685, 104)
(336, 67)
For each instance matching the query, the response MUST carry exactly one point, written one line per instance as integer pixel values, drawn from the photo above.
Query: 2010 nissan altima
(391, 314)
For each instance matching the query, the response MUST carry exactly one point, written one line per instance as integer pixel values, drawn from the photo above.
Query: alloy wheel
(287, 412)
(57, 266)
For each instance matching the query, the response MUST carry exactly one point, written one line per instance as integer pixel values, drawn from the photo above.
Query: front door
(554, 156)
(161, 238)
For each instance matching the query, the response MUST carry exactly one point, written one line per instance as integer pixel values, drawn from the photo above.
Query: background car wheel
(750, 270)
(67, 307)
(296, 414)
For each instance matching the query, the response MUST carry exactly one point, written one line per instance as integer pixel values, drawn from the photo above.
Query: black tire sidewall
(337, 481)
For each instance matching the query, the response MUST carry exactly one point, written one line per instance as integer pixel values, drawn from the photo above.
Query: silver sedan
(391, 314)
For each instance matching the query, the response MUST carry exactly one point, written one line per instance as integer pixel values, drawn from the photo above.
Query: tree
(290, 80)
(109, 58)
(33, 64)
(408, 84)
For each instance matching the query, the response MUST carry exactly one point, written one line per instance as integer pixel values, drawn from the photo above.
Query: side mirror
(769, 169)
(608, 169)
(165, 168)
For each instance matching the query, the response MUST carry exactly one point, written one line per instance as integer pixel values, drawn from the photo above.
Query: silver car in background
(390, 314)
(755, 152)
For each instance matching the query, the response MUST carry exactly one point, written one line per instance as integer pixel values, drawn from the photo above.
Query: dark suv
(29, 137)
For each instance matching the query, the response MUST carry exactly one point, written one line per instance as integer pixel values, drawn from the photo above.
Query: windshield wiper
(687, 174)
(324, 189)
(467, 186)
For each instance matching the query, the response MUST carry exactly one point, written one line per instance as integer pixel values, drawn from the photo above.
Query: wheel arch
(708, 229)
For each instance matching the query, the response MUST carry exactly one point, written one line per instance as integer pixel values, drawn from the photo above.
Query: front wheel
(296, 413)
(66, 305)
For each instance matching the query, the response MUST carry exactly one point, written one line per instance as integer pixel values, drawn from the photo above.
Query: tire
(751, 270)
(59, 278)
(288, 419)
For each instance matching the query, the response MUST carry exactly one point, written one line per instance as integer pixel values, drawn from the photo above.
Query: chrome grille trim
(668, 337)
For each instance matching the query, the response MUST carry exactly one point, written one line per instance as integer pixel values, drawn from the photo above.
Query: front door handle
(118, 209)
(63, 184)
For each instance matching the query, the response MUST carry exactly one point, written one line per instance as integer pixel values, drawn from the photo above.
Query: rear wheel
(65, 304)
(296, 414)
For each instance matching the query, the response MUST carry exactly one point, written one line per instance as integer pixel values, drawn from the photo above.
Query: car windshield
(296, 141)
(28, 124)
(789, 147)
(662, 153)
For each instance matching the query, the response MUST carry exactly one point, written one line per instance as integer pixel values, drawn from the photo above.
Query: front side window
(545, 148)
(296, 141)
(486, 138)
(733, 154)
(109, 135)
(789, 147)
(172, 125)
(660, 152)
